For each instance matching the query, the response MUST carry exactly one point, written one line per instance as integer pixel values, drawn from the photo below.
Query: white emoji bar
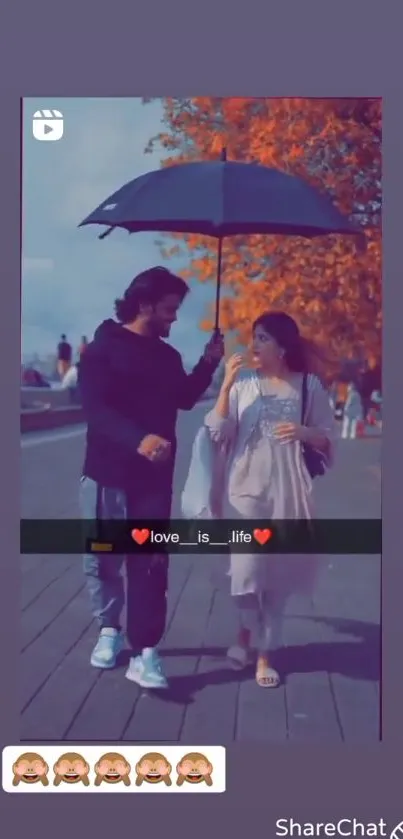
(180, 769)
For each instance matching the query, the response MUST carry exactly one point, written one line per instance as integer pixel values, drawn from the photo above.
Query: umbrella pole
(218, 287)
(106, 233)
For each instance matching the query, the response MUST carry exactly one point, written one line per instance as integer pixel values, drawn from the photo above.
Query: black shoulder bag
(315, 461)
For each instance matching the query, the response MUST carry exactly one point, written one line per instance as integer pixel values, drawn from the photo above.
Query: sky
(70, 278)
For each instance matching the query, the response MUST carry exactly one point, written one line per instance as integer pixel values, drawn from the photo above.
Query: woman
(353, 413)
(259, 415)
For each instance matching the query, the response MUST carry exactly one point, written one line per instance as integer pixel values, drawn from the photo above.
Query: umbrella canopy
(221, 198)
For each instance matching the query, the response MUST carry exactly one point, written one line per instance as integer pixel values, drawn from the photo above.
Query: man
(132, 385)
(64, 356)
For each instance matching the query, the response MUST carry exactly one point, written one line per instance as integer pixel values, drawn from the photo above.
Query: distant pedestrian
(70, 383)
(370, 380)
(83, 346)
(64, 356)
(333, 396)
(353, 413)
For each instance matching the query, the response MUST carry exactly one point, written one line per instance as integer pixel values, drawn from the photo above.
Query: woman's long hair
(300, 354)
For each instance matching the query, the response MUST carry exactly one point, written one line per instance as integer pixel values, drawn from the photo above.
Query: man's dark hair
(149, 287)
(63, 337)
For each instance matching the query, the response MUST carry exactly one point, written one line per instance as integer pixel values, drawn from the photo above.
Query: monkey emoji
(112, 768)
(194, 768)
(72, 769)
(153, 768)
(30, 768)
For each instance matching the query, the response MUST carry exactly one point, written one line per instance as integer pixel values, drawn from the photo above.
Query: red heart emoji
(262, 536)
(140, 536)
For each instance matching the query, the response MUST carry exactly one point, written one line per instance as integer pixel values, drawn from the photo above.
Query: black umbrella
(220, 198)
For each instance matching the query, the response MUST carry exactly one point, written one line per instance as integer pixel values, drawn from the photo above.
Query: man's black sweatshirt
(131, 386)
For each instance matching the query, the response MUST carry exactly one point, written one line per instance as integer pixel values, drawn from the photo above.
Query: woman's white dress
(268, 480)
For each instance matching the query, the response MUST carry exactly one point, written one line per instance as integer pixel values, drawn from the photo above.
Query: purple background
(292, 49)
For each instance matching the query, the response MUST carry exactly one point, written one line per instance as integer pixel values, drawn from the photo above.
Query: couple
(132, 385)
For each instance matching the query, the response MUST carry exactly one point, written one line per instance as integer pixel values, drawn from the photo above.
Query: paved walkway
(331, 656)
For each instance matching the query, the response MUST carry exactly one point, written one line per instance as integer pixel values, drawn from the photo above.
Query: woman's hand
(289, 432)
(232, 368)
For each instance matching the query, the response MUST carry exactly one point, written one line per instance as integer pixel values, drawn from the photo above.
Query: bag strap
(304, 397)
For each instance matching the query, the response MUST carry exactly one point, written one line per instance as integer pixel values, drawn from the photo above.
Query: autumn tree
(331, 285)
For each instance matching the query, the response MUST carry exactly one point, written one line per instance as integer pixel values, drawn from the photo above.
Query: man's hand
(214, 349)
(154, 448)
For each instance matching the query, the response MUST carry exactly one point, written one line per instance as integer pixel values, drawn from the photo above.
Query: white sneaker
(146, 670)
(107, 648)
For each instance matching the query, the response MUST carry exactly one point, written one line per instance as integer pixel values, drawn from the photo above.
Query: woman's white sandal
(267, 677)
